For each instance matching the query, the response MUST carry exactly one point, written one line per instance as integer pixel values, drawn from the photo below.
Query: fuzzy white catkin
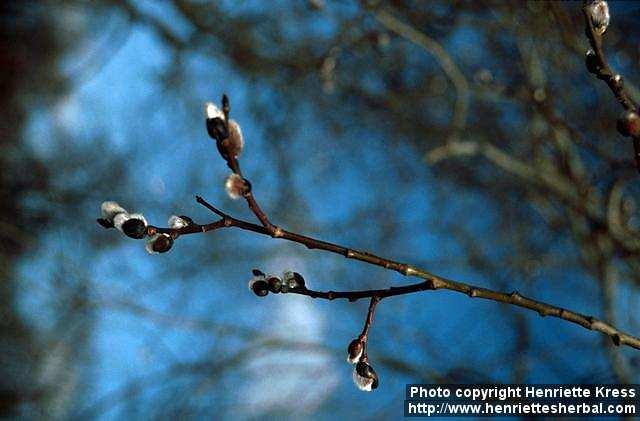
(120, 219)
(599, 14)
(175, 222)
(362, 382)
(211, 110)
(236, 140)
(234, 186)
(109, 209)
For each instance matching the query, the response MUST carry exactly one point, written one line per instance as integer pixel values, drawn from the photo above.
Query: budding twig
(365, 376)
(253, 203)
(599, 66)
(431, 281)
(234, 165)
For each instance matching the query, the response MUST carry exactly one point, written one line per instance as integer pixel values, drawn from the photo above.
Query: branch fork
(220, 128)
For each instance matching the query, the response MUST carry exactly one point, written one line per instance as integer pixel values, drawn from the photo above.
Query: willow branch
(234, 165)
(431, 281)
(612, 79)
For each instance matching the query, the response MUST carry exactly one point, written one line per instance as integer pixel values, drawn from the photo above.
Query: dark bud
(105, 223)
(299, 279)
(355, 350)
(217, 129)
(257, 272)
(260, 288)
(367, 373)
(134, 228)
(275, 284)
(162, 244)
(629, 124)
(591, 60)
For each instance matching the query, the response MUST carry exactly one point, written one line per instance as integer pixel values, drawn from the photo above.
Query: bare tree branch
(432, 282)
(600, 67)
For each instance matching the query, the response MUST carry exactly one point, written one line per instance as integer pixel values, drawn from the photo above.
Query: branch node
(409, 270)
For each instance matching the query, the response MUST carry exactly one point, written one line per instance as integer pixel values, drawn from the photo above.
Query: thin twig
(234, 165)
(369, 320)
(613, 80)
(443, 58)
(605, 73)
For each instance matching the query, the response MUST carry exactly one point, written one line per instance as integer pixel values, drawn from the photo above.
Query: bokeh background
(465, 137)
